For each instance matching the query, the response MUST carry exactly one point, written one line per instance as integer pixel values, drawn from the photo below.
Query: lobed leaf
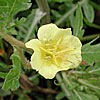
(8, 8)
(12, 78)
(90, 53)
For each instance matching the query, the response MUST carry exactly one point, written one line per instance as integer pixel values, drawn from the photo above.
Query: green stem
(1, 44)
(43, 5)
(68, 13)
(13, 41)
(90, 37)
(39, 14)
(24, 60)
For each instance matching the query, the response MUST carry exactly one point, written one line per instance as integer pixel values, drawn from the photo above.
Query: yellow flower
(55, 49)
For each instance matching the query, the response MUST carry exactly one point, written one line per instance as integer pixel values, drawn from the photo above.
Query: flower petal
(47, 32)
(51, 31)
(66, 32)
(71, 42)
(48, 70)
(73, 58)
(36, 61)
(33, 44)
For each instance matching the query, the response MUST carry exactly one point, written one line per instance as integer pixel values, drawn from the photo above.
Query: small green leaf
(60, 1)
(78, 23)
(60, 96)
(88, 11)
(12, 31)
(71, 18)
(88, 96)
(16, 60)
(2, 75)
(18, 23)
(4, 65)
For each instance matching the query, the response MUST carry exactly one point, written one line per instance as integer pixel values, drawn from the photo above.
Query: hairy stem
(38, 16)
(13, 41)
(60, 20)
(43, 5)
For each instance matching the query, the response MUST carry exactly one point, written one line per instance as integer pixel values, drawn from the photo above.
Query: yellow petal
(36, 61)
(49, 32)
(73, 58)
(48, 70)
(33, 44)
(71, 42)
(66, 32)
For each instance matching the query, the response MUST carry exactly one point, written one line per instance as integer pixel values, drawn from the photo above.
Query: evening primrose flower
(55, 50)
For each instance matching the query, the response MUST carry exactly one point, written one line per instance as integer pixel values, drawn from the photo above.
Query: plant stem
(24, 60)
(39, 14)
(60, 20)
(90, 37)
(13, 41)
(44, 7)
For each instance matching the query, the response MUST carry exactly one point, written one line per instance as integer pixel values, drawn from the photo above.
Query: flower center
(55, 51)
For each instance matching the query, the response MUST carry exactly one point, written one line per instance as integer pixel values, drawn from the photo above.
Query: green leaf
(35, 79)
(88, 96)
(56, 13)
(12, 31)
(4, 67)
(71, 18)
(60, 1)
(16, 60)
(90, 53)
(96, 68)
(88, 11)
(11, 81)
(8, 8)
(60, 96)
(96, 6)
(91, 24)
(78, 23)
(2, 75)
(18, 23)
(12, 78)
